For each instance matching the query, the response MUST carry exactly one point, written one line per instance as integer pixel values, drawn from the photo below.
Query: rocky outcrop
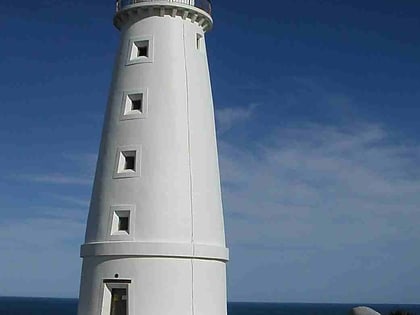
(363, 310)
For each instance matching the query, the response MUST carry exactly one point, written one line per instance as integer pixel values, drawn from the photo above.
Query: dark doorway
(119, 302)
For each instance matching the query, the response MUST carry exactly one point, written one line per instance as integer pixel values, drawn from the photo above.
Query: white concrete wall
(159, 286)
(173, 135)
(176, 198)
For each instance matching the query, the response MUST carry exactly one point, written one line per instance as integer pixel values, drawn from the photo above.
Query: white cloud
(316, 180)
(82, 175)
(311, 204)
(56, 178)
(40, 232)
(41, 250)
(43, 247)
(87, 161)
(227, 117)
(72, 200)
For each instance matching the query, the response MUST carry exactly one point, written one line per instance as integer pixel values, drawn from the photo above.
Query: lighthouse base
(152, 286)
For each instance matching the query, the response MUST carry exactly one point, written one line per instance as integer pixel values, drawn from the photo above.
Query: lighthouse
(155, 241)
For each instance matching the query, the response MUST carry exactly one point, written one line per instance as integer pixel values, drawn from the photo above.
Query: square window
(140, 50)
(199, 42)
(121, 222)
(134, 105)
(127, 162)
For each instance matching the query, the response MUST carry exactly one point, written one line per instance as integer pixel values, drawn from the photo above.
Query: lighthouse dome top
(197, 10)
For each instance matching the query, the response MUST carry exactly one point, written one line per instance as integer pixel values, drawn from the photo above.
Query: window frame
(132, 50)
(118, 173)
(113, 233)
(199, 42)
(128, 114)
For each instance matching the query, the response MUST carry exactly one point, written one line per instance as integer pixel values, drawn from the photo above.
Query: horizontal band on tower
(142, 10)
(143, 249)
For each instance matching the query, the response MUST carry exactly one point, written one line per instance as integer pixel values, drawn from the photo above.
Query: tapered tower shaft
(155, 242)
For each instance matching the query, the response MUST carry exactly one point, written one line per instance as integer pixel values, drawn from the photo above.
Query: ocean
(46, 306)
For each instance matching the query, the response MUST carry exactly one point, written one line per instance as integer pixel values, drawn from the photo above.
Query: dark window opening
(199, 41)
(123, 224)
(142, 52)
(136, 102)
(118, 301)
(142, 48)
(129, 160)
(136, 105)
(130, 163)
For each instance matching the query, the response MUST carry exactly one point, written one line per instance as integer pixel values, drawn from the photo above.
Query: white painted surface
(174, 253)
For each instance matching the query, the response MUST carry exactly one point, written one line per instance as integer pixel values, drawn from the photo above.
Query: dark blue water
(36, 306)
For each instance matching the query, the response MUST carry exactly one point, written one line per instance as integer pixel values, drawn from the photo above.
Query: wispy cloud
(331, 205)
(77, 214)
(85, 160)
(313, 179)
(82, 163)
(78, 201)
(40, 250)
(227, 117)
(56, 178)
(44, 232)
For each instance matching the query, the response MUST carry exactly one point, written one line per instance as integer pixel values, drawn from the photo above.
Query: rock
(363, 310)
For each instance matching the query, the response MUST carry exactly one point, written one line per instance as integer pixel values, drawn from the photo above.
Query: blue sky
(317, 107)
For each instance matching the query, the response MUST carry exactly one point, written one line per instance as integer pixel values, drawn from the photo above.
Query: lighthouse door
(119, 301)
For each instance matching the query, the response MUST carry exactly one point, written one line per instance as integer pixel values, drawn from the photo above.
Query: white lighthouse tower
(155, 242)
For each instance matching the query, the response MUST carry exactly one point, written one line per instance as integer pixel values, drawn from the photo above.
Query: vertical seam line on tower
(190, 168)
(189, 138)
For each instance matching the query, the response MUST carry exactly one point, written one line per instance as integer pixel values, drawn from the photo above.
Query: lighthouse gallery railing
(204, 5)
